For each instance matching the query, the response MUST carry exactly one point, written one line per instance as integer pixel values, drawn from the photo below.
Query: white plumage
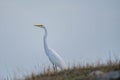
(56, 59)
(53, 56)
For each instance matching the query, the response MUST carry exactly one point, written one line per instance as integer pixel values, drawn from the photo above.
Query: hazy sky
(79, 30)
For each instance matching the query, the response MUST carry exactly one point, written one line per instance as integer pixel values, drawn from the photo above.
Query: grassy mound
(76, 72)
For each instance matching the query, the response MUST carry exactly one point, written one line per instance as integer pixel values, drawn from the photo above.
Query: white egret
(55, 59)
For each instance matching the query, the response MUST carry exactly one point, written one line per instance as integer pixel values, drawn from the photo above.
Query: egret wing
(56, 59)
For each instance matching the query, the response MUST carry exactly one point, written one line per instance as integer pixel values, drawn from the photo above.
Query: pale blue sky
(79, 30)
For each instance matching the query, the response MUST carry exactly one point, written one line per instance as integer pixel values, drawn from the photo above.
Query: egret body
(53, 56)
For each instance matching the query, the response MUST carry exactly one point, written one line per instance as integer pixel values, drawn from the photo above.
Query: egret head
(39, 25)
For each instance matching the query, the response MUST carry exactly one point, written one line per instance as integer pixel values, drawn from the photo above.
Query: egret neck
(45, 40)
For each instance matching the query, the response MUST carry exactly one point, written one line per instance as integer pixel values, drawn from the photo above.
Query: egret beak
(38, 25)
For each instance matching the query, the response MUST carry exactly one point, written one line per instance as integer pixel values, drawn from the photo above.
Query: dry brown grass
(76, 73)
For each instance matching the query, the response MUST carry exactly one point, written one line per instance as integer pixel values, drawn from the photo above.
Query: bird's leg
(54, 67)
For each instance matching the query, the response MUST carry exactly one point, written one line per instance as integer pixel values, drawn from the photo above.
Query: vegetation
(76, 72)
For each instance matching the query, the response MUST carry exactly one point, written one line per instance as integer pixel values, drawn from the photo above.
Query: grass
(76, 72)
